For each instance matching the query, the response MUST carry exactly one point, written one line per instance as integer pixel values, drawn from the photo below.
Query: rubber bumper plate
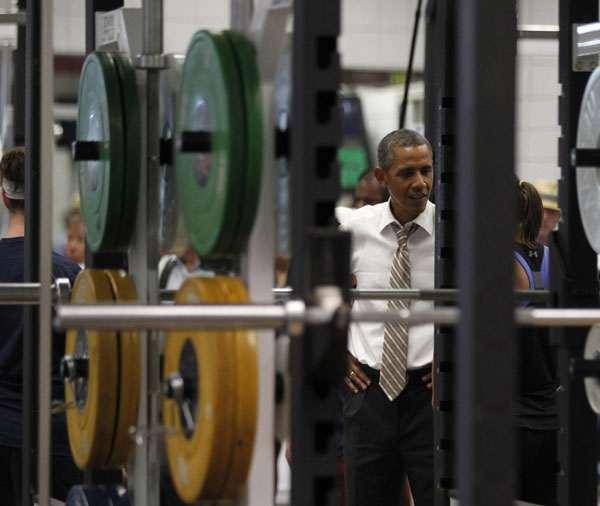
(245, 56)
(91, 422)
(210, 182)
(100, 119)
(106, 396)
(209, 462)
(132, 152)
(588, 178)
(171, 230)
(130, 367)
(245, 357)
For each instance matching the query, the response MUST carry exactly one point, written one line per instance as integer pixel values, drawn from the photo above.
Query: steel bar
(45, 256)
(537, 31)
(228, 316)
(12, 17)
(438, 295)
(587, 40)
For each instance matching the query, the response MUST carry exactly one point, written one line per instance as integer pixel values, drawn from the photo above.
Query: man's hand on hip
(356, 379)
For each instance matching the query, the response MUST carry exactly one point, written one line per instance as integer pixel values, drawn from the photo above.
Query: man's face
(409, 180)
(549, 221)
(367, 193)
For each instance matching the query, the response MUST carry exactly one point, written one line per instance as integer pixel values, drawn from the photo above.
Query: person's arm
(521, 279)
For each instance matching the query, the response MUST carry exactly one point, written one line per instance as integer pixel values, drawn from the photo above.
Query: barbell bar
(29, 294)
(293, 314)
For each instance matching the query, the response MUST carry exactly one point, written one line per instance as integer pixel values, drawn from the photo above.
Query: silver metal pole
(230, 316)
(45, 208)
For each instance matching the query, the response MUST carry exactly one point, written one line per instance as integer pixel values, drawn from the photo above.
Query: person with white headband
(12, 252)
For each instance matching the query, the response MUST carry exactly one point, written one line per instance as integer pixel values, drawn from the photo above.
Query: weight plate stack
(209, 115)
(217, 377)
(171, 231)
(104, 381)
(588, 178)
(109, 118)
(133, 149)
(245, 56)
(100, 119)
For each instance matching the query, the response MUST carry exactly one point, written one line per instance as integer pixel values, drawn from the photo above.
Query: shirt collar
(424, 220)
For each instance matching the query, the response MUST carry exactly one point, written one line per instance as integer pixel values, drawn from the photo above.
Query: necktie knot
(402, 233)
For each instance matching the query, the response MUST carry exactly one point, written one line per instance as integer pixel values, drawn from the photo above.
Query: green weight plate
(100, 118)
(245, 55)
(210, 185)
(133, 151)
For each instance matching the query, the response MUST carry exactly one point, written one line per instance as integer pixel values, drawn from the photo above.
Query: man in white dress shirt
(384, 438)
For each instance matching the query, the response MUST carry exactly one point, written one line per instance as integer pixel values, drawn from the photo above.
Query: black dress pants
(383, 440)
(63, 471)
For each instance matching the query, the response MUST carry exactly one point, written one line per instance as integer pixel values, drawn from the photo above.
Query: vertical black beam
(485, 358)
(573, 281)
(442, 59)
(430, 73)
(320, 253)
(31, 321)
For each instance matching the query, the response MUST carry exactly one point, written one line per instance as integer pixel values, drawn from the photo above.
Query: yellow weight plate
(91, 422)
(194, 459)
(245, 358)
(129, 375)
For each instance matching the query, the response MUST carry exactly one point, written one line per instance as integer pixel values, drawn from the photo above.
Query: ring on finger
(351, 374)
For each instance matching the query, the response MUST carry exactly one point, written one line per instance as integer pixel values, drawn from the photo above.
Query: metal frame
(440, 129)
(573, 281)
(321, 253)
(485, 355)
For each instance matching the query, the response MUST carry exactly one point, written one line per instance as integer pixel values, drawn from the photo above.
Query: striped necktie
(395, 338)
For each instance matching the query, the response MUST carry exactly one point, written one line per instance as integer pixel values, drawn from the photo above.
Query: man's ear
(380, 175)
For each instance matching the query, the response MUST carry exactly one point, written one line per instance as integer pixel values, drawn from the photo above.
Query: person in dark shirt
(537, 418)
(63, 470)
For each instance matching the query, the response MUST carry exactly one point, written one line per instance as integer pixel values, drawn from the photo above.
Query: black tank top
(536, 397)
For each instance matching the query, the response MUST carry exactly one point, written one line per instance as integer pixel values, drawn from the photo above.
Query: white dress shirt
(374, 245)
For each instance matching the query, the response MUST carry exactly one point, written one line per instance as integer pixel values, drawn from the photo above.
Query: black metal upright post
(31, 320)
(441, 61)
(573, 281)
(485, 352)
(320, 253)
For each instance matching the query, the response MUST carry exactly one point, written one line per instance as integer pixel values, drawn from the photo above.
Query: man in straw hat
(549, 192)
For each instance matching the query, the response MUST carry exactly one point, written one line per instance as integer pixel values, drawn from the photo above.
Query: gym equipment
(102, 376)
(108, 150)
(218, 132)
(210, 399)
(588, 178)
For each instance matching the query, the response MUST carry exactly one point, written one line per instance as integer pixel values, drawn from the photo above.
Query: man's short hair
(403, 138)
(12, 168)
